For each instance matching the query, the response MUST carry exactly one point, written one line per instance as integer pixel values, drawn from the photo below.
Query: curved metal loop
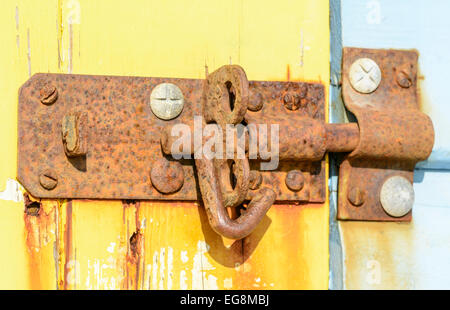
(226, 101)
(215, 206)
(227, 95)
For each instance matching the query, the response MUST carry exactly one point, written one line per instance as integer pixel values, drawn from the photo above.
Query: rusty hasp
(393, 135)
(125, 138)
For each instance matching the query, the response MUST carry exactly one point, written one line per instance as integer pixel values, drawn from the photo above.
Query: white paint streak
(155, 270)
(29, 52)
(184, 257)
(183, 280)
(162, 267)
(302, 48)
(169, 268)
(111, 247)
(17, 28)
(13, 191)
(201, 264)
(211, 283)
(228, 283)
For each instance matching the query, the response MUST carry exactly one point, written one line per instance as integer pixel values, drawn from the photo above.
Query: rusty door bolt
(292, 101)
(365, 75)
(167, 176)
(255, 180)
(404, 79)
(295, 180)
(256, 102)
(48, 179)
(357, 196)
(48, 94)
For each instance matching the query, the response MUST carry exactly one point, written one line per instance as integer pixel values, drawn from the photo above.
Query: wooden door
(80, 244)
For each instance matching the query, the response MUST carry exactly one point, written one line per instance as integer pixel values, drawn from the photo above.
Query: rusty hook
(226, 101)
(213, 199)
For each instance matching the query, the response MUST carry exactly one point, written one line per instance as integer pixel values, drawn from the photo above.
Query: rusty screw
(292, 102)
(256, 102)
(404, 79)
(167, 176)
(48, 94)
(255, 179)
(295, 180)
(356, 196)
(48, 179)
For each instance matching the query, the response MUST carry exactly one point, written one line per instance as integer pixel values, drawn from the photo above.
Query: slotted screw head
(397, 196)
(365, 75)
(404, 79)
(48, 94)
(48, 179)
(166, 101)
(357, 196)
(295, 180)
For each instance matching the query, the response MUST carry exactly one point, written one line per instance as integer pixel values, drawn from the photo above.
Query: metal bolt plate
(365, 75)
(166, 101)
(377, 158)
(124, 137)
(397, 196)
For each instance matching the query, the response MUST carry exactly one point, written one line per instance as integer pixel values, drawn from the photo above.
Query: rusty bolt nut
(256, 102)
(48, 94)
(167, 176)
(48, 179)
(255, 180)
(356, 196)
(404, 79)
(295, 180)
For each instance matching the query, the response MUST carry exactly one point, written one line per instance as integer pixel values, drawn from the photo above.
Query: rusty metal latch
(119, 138)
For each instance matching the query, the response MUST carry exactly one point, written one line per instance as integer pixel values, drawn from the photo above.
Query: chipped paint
(184, 257)
(13, 191)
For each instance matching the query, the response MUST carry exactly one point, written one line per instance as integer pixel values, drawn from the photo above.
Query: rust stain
(38, 227)
(135, 249)
(68, 244)
(288, 72)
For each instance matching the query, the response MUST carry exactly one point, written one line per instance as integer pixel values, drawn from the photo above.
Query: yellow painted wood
(150, 245)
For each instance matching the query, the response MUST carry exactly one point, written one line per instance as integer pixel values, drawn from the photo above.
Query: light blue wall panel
(421, 252)
(404, 24)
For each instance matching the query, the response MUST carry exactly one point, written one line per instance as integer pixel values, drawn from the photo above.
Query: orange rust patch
(135, 247)
(39, 225)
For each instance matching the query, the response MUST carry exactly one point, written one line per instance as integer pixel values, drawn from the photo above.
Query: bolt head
(356, 196)
(48, 179)
(397, 196)
(365, 75)
(48, 94)
(256, 102)
(166, 101)
(295, 180)
(255, 180)
(404, 79)
(167, 176)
